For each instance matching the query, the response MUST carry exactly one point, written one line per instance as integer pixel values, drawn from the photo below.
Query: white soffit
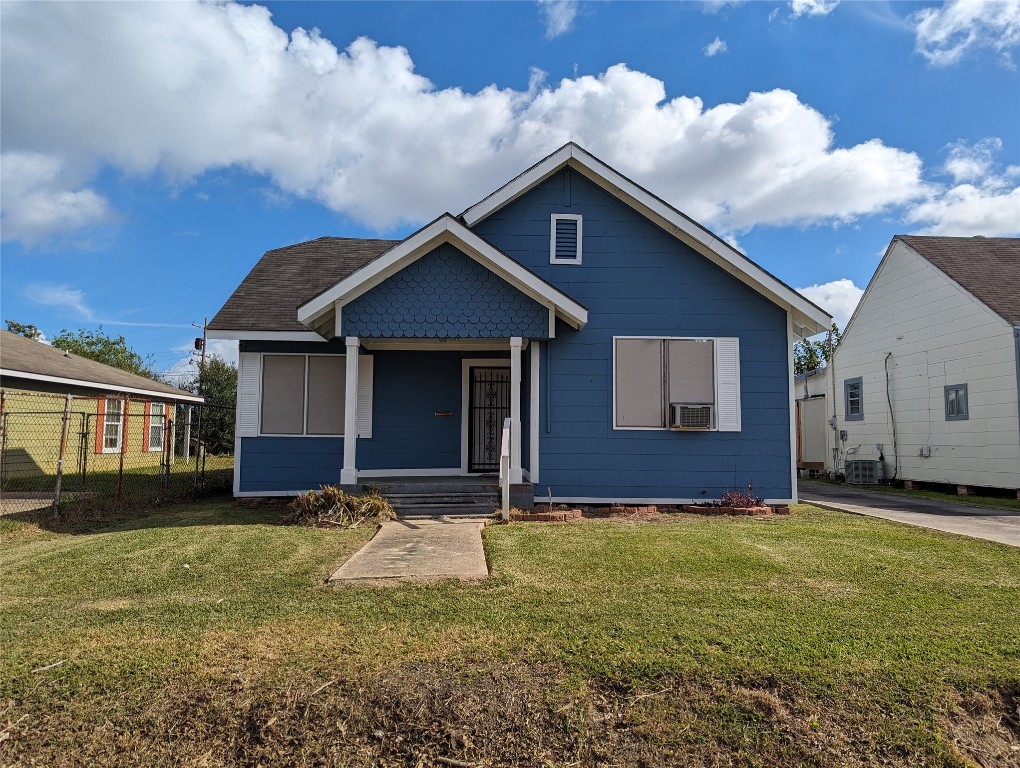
(806, 315)
(445, 229)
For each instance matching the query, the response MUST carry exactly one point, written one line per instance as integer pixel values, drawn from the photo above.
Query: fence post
(3, 429)
(198, 445)
(123, 445)
(187, 436)
(64, 424)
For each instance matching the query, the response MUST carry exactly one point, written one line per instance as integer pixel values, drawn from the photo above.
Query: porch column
(349, 473)
(533, 416)
(516, 476)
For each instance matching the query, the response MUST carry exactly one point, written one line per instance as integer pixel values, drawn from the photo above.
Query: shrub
(741, 499)
(330, 506)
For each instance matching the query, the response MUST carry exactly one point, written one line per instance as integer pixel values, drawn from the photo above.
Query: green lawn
(204, 632)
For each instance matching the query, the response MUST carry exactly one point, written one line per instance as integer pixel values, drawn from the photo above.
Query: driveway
(978, 522)
(444, 547)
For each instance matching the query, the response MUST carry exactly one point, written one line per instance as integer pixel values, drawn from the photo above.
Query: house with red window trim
(113, 411)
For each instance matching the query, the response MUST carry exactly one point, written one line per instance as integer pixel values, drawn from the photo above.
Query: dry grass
(818, 639)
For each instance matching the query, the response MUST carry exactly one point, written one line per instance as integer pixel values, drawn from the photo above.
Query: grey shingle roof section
(987, 267)
(21, 355)
(285, 278)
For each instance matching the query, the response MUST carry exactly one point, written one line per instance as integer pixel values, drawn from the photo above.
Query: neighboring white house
(927, 376)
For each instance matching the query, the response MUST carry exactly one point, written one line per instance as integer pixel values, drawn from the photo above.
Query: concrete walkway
(998, 525)
(443, 547)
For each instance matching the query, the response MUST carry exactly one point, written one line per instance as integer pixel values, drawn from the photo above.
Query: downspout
(892, 416)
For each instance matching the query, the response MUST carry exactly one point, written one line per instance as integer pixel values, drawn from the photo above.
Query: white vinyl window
(303, 394)
(565, 239)
(157, 425)
(113, 426)
(676, 383)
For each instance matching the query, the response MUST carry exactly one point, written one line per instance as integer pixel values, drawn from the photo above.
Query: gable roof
(285, 278)
(808, 317)
(445, 229)
(24, 358)
(986, 267)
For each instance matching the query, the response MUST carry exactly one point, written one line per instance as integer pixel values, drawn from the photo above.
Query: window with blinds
(676, 383)
(303, 394)
(565, 239)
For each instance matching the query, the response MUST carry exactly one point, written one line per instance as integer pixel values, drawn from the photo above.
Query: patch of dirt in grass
(983, 727)
(442, 714)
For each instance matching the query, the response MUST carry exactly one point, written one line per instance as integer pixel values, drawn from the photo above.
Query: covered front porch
(438, 408)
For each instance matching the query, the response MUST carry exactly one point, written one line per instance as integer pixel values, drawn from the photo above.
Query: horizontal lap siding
(638, 280)
(410, 388)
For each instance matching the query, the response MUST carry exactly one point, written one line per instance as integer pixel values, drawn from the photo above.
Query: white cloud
(943, 35)
(559, 16)
(40, 197)
(715, 47)
(839, 298)
(63, 299)
(983, 200)
(968, 162)
(812, 7)
(179, 89)
(714, 6)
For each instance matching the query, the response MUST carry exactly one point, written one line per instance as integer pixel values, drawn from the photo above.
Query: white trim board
(445, 229)
(110, 389)
(633, 500)
(809, 318)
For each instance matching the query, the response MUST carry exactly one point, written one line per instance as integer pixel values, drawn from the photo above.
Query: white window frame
(120, 423)
(304, 410)
(162, 423)
(715, 385)
(552, 237)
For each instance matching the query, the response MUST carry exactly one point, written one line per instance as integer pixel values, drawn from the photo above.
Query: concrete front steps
(472, 496)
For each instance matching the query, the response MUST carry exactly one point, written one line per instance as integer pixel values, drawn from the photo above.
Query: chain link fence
(70, 452)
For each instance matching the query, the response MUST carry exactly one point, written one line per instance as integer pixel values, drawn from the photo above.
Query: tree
(28, 331)
(809, 354)
(217, 383)
(98, 346)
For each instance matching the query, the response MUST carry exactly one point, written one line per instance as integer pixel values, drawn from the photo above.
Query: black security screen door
(488, 405)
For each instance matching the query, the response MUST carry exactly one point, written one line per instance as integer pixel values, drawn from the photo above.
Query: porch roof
(445, 229)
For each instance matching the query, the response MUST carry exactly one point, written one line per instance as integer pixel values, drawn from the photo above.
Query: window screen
(326, 377)
(157, 425)
(283, 394)
(956, 402)
(639, 401)
(691, 371)
(853, 396)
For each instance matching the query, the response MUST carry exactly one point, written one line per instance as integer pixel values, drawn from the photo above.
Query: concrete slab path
(444, 547)
(999, 525)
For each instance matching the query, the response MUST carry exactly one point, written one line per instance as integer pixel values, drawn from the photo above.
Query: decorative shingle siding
(638, 280)
(445, 294)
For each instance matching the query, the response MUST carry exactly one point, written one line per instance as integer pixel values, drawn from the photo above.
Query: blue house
(638, 357)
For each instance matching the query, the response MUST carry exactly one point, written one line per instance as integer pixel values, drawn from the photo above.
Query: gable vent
(565, 241)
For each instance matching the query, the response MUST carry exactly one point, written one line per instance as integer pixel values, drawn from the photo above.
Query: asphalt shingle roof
(987, 267)
(285, 278)
(19, 354)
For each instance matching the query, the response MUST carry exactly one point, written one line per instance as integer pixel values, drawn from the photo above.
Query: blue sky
(153, 151)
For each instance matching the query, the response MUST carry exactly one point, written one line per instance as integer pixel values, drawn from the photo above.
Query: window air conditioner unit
(690, 415)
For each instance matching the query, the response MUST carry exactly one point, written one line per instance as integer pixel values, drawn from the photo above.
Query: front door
(488, 405)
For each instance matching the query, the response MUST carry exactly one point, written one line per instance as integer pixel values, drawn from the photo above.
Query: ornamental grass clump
(330, 506)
